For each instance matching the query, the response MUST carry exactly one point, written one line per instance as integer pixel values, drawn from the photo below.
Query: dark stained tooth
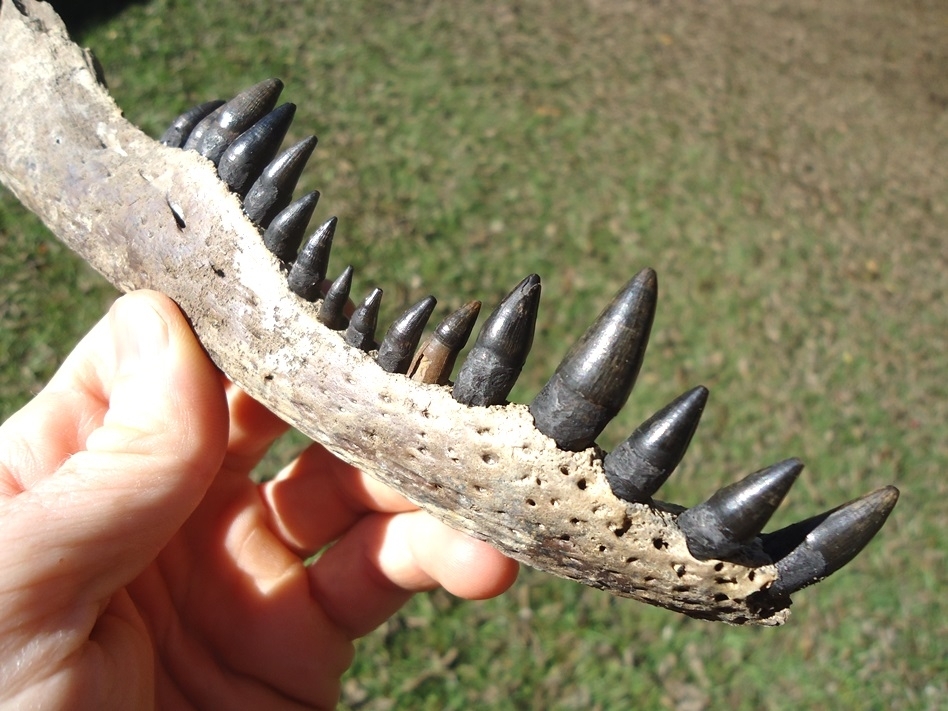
(245, 158)
(309, 269)
(734, 515)
(595, 378)
(638, 467)
(434, 360)
(811, 550)
(197, 133)
(285, 233)
(494, 363)
(179, 130)
(273, 190)
(331, 311)
(361, 331)
(398, 346)
(236, 116)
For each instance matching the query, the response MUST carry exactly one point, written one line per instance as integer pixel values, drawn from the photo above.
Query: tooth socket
(398, 346)
(811, 550)
(735, 515)
(179, 130)
(273, 190)
(434, 360)
(245, 159)
(638, 467)
(361, 331)
(285, 233)
(236, 116)
(494, 363)
(308, 271)
(332, 310)
(595, 378)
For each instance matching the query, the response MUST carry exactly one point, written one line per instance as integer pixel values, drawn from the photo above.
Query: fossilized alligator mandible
(529, 480)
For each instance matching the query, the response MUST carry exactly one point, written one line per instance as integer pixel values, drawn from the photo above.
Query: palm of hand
(142, 567)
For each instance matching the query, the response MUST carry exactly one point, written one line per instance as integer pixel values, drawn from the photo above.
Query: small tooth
(435, 359)
(285, 233)
(494, 363)
(245, 158)
(236, 116)
(273, 190)
(811, 550)
(734, 515)
(361, 331)
(309, 269)
(332, 310)
(197, 133)
(398, 346)
(179, 130)
(638, 467)
(595, 378)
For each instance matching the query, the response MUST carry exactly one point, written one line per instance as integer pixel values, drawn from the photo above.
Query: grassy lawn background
(783, 168)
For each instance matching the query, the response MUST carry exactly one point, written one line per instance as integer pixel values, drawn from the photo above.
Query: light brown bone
(147, 216)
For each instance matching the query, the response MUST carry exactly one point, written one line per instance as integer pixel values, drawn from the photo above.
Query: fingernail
(141, 335)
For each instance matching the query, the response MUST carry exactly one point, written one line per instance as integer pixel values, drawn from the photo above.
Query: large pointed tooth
(245, 158)
(179, 130)
(285, 233)
(494, 363)
(435, 359)
(736, 514)
(236, 116)
(638, 467)
(273, 190)
(398, 346)
(808, 551)
(595, 378)
(361, 331)
(332, 310)
(197, 133)
(309, 269)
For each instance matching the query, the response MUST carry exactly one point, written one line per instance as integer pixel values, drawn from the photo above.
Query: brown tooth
(435, 359)
(332, 310)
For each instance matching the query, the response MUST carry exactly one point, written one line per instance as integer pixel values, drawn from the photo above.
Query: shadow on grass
(82, 15)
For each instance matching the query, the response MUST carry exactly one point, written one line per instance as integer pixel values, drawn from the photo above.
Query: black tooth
(197, 133)
(179, 130)
(494, 363)
(811, 550)
(273, 190)
(332, 310)
(285, 233)
(309, 269)
(245, 158)
(361, 331)
(736, 514)
(398, 346)
(595, 378)
(236, 116)
(435, 359)
(638, 467)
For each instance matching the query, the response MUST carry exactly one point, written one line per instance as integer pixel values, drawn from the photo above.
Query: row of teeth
(242, 138)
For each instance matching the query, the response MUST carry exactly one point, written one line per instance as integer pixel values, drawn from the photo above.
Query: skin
(140, 567)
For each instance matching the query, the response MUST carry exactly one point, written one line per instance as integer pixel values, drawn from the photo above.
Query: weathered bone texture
(147, 216)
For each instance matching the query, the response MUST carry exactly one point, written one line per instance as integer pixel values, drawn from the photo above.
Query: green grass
(784, 170)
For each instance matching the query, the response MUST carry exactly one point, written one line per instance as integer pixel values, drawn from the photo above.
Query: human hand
(141, 567)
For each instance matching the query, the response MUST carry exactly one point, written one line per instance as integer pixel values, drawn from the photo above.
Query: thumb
(140, 473)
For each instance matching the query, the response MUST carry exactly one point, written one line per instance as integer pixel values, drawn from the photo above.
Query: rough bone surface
(147, 216)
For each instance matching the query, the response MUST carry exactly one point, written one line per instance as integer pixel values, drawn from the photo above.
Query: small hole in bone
(680, 571)
(531, 502)
(751, 575)
(574, 521)
(681, 588)
(488, 458)
(581, 484)
(564, 471)
(720, 597)
(659, 543)
(602, 549)
(539, 481)
(564, 537)
(479, 489)
(483, 430)
(631, 559)
(718, 567)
